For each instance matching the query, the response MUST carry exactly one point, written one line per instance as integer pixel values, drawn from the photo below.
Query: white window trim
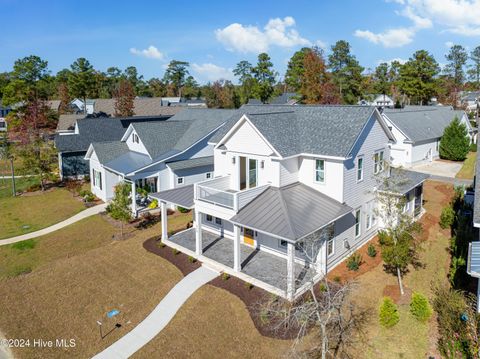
(358, 210)
(180, 180)
(381, 162)
(218, 219)
(209, 220)
(357, 167)
(324, 171)
(333, 247)
(208, 175)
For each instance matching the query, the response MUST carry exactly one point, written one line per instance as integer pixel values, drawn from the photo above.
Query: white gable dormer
(133, 141)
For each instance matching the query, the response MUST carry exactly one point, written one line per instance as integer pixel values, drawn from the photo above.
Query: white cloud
(212, 72)
(449, 44)
(400, 60)
(151, 52)
(321, 44)
(248, 38)
(389, 38)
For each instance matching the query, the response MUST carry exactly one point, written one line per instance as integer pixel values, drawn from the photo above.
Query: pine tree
(82, 80)
(264, 76)
(455, 144)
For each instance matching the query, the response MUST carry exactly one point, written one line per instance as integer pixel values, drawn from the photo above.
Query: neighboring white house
(157, 155)
(418, 130)
(473, 261)
(293, 193)
(378, 100)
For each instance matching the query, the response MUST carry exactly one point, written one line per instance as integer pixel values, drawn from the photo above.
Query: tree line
(315, 75)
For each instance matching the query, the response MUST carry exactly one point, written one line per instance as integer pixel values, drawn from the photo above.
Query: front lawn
(33, 211)
(468, 169)
(77, 275)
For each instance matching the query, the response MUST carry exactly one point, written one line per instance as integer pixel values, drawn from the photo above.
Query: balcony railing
(218, 192)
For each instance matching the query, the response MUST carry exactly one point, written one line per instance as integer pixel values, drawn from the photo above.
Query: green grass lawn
(21, 184)
(468, 169)
(26, 256)
(34, 211)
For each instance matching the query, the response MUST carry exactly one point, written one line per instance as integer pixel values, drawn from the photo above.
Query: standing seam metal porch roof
(181, 196)
(290, 212)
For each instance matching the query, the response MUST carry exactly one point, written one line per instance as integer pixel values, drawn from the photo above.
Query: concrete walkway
(160, 317)
(79, 216)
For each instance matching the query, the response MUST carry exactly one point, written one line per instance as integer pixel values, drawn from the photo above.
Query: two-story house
(293, 193)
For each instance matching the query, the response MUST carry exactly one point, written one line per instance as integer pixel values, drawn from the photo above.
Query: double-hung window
(378, 162)
(358, 222)
(330, 247)
(179, 180)
(359, 169)
(320, 171)
(97, 179)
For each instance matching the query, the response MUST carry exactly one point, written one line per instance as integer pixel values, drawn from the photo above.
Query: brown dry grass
(213, 324)
(66, 294)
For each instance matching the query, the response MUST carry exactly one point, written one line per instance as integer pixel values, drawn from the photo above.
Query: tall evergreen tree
(457, 58)
(347, 72)
(296, 69)
(381, 79)
(82, 80)
(474, 70)
(455, 144)
(264, 76)
(244, 72)
(175, 76)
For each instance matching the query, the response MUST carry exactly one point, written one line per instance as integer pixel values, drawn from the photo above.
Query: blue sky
(214, 35)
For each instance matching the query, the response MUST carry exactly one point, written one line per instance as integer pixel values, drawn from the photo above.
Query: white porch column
(134, 199)
(164, 220)
(198, 233)
(290, 271)
(237, 260)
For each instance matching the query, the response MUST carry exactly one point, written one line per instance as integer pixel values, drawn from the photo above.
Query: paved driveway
(439, 168)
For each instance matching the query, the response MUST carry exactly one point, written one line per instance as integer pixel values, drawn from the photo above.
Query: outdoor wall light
(262, 164)
(233, 160)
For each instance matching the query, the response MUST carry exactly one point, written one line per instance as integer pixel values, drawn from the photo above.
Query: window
(359, 169)
(218, 221)
(208, 175)
(438, 144)
(180, 180)
(406, 207)
(320, 171)
(97, 179)
(209, 218)
(283, 243)
(358, 215)
(378, 162)
(330, 247)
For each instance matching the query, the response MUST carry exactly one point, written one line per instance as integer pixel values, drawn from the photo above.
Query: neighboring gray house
(418, 130)
(293, 193)
(378, 100)
(73, 145)
(157, 155)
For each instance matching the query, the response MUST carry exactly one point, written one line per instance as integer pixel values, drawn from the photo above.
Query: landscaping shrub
(175, 251)
(248, 286)
(183, 210)
(337, 279)
(455, 144)
(225, 276)
(388, 314)
(153, 204)
(24, 245)
(354, 261)
(322, 287)
(420, 307)
(371, 251)
(147, 220)
(473, 147)
(447, 217)
(192, 259)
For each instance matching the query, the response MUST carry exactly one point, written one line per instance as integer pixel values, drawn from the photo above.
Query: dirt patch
(183, 262)
(393, 291)
(253, 298)
(342, 273)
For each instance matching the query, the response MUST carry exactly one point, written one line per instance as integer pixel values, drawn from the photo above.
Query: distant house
(418, 130)
(183, 102)
(73, 144)
(4, 111)
(157, 155)
(469, 100)
(377, 100)
(286, 98)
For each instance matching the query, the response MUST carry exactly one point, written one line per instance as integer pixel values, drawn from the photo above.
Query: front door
(248, 236)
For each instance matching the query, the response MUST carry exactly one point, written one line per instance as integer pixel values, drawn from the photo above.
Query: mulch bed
(343, 274)
(393, 291)
(253, 298)
(180, 260)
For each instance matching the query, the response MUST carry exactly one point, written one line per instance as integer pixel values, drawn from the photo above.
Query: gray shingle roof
(143, 106)
(66, 122)
(325, 130)
(191, 163)
(98, 130)
(404, 180)
(107, 151)
(181, 196)
(286, 98)
(423, 123)
(290, 212)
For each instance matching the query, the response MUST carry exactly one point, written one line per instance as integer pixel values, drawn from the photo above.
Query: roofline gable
(237, 125)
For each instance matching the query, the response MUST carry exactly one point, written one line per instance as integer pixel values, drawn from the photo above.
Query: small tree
(455, 143)
(124, 99)
(420, 307)
(388, 313)
(119, 208)
(447, 217)
(399, 240)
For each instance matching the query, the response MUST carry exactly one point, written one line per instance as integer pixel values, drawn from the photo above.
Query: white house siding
(137, 147)
(247, 140)
(425, 151)
(333, 186)
(191, 176)
(289, 171)
(358, 194)
(111, 180)
(95, 165)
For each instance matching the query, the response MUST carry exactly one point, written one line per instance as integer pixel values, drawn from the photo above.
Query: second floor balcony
(219, 192)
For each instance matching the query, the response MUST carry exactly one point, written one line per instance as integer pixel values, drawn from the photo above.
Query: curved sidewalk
(78, 217)
(159, 317)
